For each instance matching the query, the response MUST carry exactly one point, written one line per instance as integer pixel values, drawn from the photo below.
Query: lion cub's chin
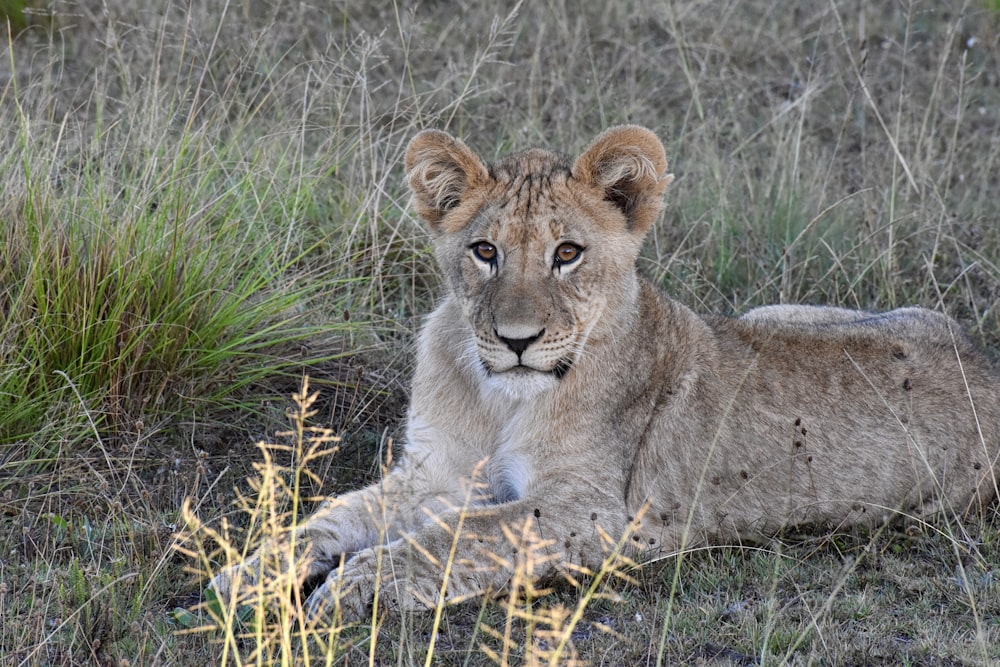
(518, 383)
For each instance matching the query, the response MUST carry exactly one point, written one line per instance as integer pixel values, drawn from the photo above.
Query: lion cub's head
(539, 251)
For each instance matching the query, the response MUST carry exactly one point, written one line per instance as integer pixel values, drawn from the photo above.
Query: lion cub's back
(895, 409)
(910, 356)
(791, 314)
(892, 331)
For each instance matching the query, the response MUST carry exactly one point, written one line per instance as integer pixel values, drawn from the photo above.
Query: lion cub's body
(591, 407)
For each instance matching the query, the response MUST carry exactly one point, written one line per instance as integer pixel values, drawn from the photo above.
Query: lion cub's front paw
(350, 589)
(335, 600)
(353, 588)
(263, 573)
(236, 579)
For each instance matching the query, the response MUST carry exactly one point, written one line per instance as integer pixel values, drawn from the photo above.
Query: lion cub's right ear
(440, 169)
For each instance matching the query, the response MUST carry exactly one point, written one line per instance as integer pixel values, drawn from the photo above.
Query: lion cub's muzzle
(518, 351)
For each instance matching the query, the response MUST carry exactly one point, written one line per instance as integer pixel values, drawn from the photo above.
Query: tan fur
(591, 407)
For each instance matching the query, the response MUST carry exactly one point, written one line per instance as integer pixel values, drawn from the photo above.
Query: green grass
(127, 308)
(204, 202)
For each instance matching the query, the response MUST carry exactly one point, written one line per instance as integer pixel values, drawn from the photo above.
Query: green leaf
(184, 618)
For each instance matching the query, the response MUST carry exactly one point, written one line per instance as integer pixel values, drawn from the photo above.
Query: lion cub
(560, 395)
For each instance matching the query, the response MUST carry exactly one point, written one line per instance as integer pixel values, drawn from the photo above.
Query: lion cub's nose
(519, 345)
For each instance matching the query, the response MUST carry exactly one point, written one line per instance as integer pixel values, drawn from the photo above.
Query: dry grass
(826, 151)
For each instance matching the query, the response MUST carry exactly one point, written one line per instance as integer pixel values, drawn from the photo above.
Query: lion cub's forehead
(530, 193)
(535, 161)
(530, 176)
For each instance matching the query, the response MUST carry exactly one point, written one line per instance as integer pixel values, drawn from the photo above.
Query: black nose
(519, 345)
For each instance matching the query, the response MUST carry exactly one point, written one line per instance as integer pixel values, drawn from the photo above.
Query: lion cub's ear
(629, 164)
(440, 169)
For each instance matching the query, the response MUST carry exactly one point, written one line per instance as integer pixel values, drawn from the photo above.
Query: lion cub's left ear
(440, 170)
(629, 164)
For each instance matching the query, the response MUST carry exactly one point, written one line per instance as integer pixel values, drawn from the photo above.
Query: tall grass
(203, 201)
(147, 263)
(121, 306)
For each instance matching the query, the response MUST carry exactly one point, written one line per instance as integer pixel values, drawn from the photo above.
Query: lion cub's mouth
(558, 371)
(523, 382)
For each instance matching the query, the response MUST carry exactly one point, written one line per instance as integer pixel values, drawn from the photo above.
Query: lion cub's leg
(478, 550)
(340, 527)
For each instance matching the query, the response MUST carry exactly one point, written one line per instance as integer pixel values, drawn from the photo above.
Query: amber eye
(485, 252)
(567, 253)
